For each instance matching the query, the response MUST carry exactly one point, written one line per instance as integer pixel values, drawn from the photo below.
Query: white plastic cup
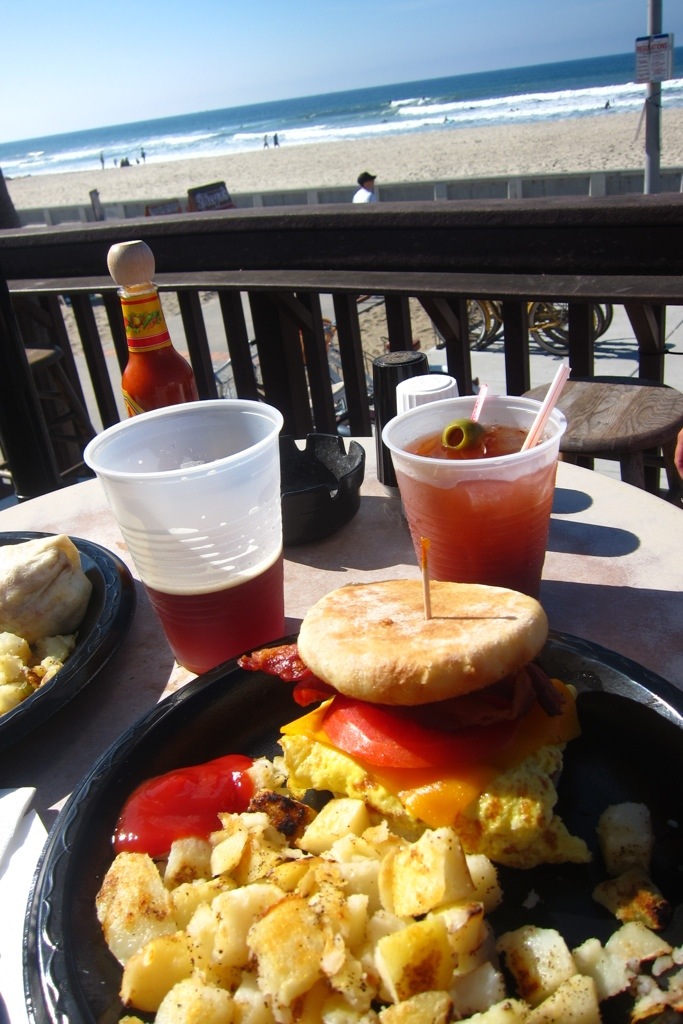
(195, 490)
(486, 520)
(430, 387)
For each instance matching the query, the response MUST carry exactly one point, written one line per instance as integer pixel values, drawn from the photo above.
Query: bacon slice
(285, 661)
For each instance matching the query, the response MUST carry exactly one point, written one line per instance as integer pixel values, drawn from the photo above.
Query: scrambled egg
(512, 822)
(24, 668)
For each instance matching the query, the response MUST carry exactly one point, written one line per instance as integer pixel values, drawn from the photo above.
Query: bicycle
(548, 323)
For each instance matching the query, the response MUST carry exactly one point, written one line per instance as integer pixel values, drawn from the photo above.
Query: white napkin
(22, 837)
(13, 804)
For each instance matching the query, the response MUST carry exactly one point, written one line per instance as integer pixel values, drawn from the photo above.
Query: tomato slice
(391, 738)
(183, 803)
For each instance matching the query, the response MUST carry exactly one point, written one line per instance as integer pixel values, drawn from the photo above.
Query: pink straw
(476, 409)
(538, 426)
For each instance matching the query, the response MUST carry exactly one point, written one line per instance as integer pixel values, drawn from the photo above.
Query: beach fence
(215, 196)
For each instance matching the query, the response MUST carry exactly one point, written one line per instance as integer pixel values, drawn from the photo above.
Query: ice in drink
(486, 519)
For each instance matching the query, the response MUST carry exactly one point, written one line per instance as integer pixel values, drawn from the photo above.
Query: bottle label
(145, 324)
(132, 407)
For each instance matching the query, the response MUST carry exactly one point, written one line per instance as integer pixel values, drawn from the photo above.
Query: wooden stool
(622, 419)
(67, 420)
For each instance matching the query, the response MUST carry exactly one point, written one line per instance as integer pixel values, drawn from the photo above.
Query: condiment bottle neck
(143, 317)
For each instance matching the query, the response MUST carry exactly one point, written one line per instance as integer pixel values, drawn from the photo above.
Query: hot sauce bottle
(156, 373)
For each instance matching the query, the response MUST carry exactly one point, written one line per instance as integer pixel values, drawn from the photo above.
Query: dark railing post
(516, 327)
(23, 433)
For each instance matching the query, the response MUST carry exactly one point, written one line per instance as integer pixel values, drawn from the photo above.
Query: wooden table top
(612, 575)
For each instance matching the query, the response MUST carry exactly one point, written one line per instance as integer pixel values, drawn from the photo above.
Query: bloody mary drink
(486, 514)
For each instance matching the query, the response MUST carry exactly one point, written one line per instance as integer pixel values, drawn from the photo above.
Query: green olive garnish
(461, 434)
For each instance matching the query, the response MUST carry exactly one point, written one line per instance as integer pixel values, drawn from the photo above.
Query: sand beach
(604, 142)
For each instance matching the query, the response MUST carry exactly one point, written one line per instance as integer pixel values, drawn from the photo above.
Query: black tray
(630, 750)
(106, 622)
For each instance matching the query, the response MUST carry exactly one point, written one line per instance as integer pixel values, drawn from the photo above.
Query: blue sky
(85, 63)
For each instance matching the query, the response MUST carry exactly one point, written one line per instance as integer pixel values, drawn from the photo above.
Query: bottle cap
(431, 387)
(131, 264)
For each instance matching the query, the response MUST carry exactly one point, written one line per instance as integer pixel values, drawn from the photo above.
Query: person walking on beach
(102, 160)
(265, 142)
(143, 155)
(276, 141)
(366, 192)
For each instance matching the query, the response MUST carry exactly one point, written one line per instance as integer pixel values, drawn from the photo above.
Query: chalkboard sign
(209, 197)
(159, 209)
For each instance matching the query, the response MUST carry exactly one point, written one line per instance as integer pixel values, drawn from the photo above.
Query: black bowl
(320, 486)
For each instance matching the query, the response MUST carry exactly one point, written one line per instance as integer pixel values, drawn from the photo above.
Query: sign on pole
(654, 57)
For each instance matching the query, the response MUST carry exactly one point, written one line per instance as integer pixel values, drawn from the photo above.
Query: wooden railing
(624, 250)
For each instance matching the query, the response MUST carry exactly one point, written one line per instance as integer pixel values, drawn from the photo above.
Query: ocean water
(543, 92)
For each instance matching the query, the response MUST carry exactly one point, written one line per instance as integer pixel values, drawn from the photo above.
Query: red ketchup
(183, 803)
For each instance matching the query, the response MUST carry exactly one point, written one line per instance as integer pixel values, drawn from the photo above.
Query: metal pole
(653, 104)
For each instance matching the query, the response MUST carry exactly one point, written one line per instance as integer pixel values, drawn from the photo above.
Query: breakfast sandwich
(438, 721)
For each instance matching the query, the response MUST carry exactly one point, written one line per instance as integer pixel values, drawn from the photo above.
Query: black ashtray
(320, 486)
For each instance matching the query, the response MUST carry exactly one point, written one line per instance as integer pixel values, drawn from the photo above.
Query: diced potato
(350, 981)
(423, 1008)
(485, 880)
(250, 1004)
(429, 873)
(288, 874)
(321, 1005)
(153, 970)
(635, 942)
(227, 853)
(257, 861)
(193, 1002)
(236, 911)
(12, 694)
(334, 1010)
(362, 877)
(416, 959)
(509, 1011)
(466, 934)
(336, 819)
(625, 837)
(288, 943)
(477, 990)
(54, 648)
(574, 1002)
(538, 959)
(634, 897)
(188, 860)
(185, 898)
(132, 905)
(383, 923)
(651, 1002)
(610, 973)
(13, 646)
(352, 848)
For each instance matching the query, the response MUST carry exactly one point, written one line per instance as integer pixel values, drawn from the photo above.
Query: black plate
(107, 618)
(630, 750)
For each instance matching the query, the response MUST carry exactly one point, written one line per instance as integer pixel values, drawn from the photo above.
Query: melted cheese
(437, 795)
